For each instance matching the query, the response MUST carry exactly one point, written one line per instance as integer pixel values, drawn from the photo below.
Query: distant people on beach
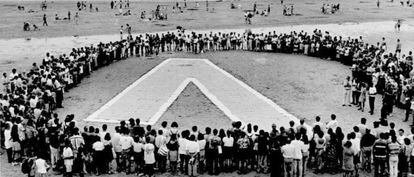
(398, 25)
(330, 8)
(288, 10)
(43, 5)
(81, 5)
(26, 27)
(121, 32)
(44, 20)
(20, 8)
(76, 18)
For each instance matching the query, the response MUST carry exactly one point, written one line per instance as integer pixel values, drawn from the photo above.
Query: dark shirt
(367, 140)
(380, 150)
(172, 145)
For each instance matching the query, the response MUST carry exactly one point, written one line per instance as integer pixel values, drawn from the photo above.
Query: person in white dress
(68, 158)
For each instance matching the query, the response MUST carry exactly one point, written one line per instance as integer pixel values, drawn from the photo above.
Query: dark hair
(215, 131)
(392, 124)
(107, 137)
(174, 124)
(14, 133)
(407, 141)
(291, 123)
(348, 144)
(91, 129)
(356, 129)
(363, 120)
(200, 136)
(194, 128)
(249, 127)
(164, 124)
(208, 130)
(298, 136)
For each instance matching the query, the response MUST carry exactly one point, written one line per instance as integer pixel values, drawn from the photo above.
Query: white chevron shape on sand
(151, 95)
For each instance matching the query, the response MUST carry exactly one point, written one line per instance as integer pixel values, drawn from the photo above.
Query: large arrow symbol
(151, 95)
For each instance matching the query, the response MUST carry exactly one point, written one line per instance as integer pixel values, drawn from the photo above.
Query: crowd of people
(32, 130)
(59, 145)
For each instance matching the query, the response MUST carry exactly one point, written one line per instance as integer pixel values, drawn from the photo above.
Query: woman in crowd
(348, 162)
(172, 146)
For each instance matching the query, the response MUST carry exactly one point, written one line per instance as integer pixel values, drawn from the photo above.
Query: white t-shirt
(67, 152)
(202, 144)
(126, 142)
(192, 147)
(7, 139)
(33, 102)
(41, 166)
(138, 146)
(228, 142)
(160, 140)
(149, 157)
(98, 146)
(299, 147)
(182, 145)
(116, 143)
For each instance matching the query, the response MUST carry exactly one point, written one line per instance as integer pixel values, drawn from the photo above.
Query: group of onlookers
(56, 144)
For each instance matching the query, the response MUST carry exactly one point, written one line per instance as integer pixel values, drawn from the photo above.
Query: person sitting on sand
(26, 26)
(35, 28)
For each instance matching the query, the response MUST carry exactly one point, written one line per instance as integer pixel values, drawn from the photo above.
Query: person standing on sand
(372, 91)
(129, 29)
(378, 3)
(76, 17)
(254, 7)
(69, 15)
(398, 25)
(121, 31)
(44, 20)
(398, 48)
(347, 86)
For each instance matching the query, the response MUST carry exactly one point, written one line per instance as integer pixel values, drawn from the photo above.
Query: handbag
(220, 150)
